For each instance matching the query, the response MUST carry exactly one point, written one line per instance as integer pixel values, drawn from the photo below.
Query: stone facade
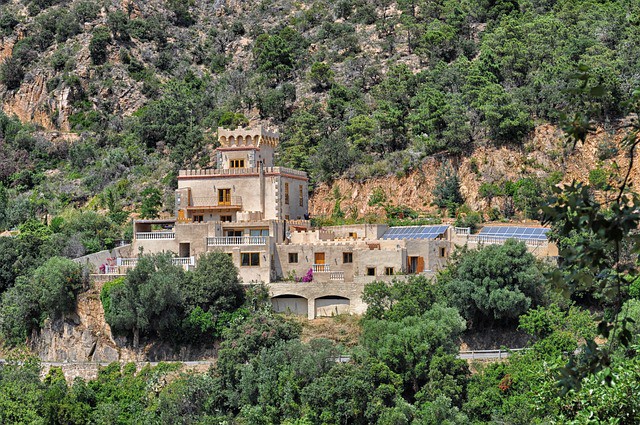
(257, 213)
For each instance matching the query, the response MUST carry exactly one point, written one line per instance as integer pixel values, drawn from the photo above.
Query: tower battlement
(248, 137)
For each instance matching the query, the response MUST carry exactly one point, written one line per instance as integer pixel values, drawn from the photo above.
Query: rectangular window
(388, 271)
(443, 252)
(198, 218)
(236, 163)
(259, 232)
(286, 193)
(250, 259)
(371, 271)
(353, 235)
(225, 218)
(224, 196)
(293, 257)
(301, 197)
(347, 257)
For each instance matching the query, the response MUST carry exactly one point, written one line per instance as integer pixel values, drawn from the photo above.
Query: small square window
(347, 257)
(293, 257)
(250, 259)
(353, 235)
(371, 271)
(388, 271)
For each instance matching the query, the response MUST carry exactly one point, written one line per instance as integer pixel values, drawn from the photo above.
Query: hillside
(113, 97)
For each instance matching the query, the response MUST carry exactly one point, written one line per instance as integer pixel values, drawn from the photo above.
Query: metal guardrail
(236, 240)
(487, 354)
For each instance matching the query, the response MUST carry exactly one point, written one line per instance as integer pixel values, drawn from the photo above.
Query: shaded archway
(290, 304)
(332, 305)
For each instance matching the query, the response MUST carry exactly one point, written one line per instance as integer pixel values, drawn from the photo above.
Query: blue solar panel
(414, 232)
(516, 232)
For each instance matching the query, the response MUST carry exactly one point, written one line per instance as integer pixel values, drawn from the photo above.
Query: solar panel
(516, 232)
(414, 232)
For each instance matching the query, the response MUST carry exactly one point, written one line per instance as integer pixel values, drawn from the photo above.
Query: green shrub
(599, 179)
(100, 39)
(11, 73)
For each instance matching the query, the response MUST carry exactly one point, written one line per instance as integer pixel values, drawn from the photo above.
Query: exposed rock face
(543, 154)
(86, 337)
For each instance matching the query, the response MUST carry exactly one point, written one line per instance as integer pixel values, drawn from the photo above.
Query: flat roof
(156, 221)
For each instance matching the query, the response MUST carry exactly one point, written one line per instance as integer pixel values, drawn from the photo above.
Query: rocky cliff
(85, 336)
(544, 153)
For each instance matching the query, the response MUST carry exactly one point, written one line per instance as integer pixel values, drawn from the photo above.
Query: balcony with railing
(155, 235)
(205, 202)
(321, 268)
(122, 264)
(236, 240)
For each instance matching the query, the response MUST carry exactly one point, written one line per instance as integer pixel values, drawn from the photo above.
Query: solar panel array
(515, 232)
(414, 232)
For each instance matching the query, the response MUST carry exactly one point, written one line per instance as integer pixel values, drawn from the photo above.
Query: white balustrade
(462, 230)
(321, 268)
(126, 262)
(338, 275)
(111, 270)
(184, 261)
(491, 240)
(155, 235)
(236, 240)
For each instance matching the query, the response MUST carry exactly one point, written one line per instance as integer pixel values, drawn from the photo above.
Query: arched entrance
(332, 305)
(290, 304)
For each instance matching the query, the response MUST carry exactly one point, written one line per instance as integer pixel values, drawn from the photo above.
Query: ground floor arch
(290, 304)
(332, 305)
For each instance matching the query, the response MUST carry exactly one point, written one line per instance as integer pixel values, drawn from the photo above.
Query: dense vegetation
(404, 369)
(359, 88)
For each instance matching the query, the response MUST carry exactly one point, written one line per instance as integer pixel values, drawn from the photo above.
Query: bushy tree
(11, 73)
(321, 75)
(214, 285)
(100, 39)
(149, 300)
(410, 345)
(151, 202)
(49, 292)
(398, 299)
(447, 194)
(494, 284)
(357, 394)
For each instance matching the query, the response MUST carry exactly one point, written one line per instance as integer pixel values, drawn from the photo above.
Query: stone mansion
(258, 214)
